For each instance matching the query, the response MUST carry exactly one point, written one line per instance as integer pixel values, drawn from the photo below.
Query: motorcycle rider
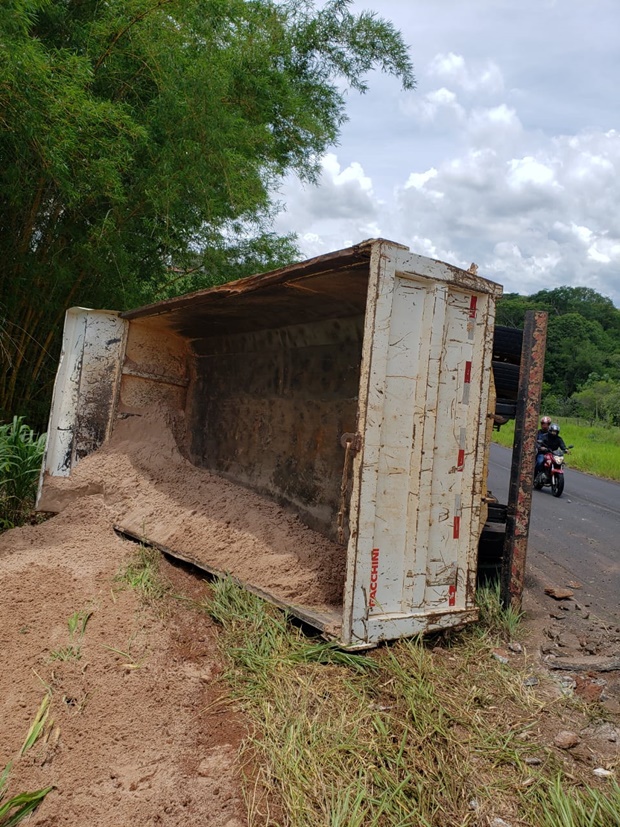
(544, 428)
(550, 441)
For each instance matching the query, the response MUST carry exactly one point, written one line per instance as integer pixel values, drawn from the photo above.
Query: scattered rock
(566, 739)
(532, 680)
(533, 761)
(501, 655)
(602, 730)
(558, 593)
(573, 584)
(586, 664)
(588, 688)
(499, 822)
(567, 683)
(516, 648)
(602, 772)
(567, 640)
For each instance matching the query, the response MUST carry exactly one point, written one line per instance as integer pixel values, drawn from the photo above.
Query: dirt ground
(141, 729)
(140, 737)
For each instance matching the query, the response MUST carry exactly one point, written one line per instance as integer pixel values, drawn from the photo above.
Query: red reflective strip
(457, 528)
(472, 307)
(452, 596)
(467, 373)
(461, 460)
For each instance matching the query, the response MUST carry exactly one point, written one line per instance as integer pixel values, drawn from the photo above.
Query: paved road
(574, 537)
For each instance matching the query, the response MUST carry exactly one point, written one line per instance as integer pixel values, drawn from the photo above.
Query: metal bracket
(351, 441)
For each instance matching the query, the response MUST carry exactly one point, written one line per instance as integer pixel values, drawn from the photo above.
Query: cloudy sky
(507, 154)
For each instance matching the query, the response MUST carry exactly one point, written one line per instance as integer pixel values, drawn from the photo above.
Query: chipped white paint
(86, 387)
(424, 389)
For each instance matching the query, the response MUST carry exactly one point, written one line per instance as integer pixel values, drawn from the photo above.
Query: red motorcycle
(552, 472)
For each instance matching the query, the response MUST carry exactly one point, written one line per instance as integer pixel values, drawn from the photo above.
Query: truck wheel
(507, 344)
(506, 378)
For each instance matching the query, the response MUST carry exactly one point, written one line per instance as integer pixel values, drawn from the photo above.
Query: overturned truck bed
(325, 425)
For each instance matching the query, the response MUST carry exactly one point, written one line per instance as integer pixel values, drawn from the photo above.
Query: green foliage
(142, 573)
(409, 734)
(576, 347)
(37, 726)
(21, 452)
(15, 809)
(599, 400)
(142, 145)
(77, 627)
(564, 806)
(583, 343)
(494, 618)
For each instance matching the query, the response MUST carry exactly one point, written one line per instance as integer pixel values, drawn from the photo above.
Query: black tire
(506, 380)
(538, 485)
(557, 485)
(497, 513)
(507, 344)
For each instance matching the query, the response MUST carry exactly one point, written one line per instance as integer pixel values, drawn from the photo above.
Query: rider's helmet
(545, 422)
(554, 429)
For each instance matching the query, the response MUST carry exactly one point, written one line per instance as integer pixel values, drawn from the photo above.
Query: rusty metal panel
(156, 368)
(268, 409)
(86, 388)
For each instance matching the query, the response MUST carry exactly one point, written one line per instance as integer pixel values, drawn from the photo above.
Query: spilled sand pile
(137, 733)
(153, 492)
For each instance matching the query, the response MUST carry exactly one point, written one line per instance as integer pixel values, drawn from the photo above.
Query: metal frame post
(523, 458)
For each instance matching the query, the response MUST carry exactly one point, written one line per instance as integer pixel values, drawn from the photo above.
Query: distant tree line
(582, 363)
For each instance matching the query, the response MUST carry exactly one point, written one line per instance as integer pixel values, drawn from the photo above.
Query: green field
(596, 447)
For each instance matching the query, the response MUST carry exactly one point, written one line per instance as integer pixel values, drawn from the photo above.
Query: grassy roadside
(21, 451)
(596, 448)
(411, 734)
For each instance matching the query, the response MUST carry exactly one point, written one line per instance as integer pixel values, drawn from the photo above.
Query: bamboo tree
(143, 138)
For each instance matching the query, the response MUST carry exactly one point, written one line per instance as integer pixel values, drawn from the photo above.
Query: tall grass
(409, 735)
(16, 809)
(574, 807)
(596, 447)
(21, 452)
(142, 572)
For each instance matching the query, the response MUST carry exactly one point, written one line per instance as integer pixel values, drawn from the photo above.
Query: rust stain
(523, 457)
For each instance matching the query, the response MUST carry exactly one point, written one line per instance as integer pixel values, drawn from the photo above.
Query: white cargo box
(354, 388)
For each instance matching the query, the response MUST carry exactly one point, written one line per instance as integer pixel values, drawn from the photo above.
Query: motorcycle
(552, 472)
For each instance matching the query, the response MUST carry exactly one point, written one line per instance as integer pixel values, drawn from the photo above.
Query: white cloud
(342, 194)
(498, 157)
(540, 218)
(480, 77)
(340, 177)
(418, 179)
(439, 107)
(528, 172)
